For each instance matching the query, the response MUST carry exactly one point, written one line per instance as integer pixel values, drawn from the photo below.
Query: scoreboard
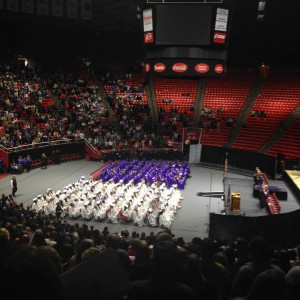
(194, 37)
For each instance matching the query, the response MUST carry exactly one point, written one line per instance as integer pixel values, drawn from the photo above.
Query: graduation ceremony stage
(192, 219)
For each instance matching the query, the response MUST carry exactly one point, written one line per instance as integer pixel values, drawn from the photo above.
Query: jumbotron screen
(184, 25)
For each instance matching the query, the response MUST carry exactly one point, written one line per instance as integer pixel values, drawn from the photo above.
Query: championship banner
(27, 6)
(57, 8)
(86, 9)
(72, 9)
(43, 7)
(147, 20)
(13, 5)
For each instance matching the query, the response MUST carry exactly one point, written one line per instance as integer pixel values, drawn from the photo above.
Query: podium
(235, 202)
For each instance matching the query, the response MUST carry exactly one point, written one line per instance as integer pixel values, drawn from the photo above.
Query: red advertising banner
(148, 37)
(219, 68)
(180, 67)
(219, 37)
(202, 68)
(159, 67)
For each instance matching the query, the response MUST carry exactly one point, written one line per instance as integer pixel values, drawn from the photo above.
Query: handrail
(87, 143)
(38, 145)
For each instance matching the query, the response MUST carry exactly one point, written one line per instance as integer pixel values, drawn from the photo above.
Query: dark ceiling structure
(114, 34)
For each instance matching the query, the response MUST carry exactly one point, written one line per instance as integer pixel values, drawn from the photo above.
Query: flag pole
(228, 200)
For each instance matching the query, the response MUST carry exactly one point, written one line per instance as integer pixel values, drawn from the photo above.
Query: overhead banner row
(185, 67)
(57, 8)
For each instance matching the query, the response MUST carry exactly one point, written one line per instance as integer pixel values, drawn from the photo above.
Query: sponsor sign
(219, 69)
(221, 26)
(147, 20)
(202, 68)
(222, 18)
(222, 11)
(180, 67)
(147, 67)
(219, 37)
(148, 37)
(159, 67)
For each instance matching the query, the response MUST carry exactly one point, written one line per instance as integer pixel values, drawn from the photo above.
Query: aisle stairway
(241, 120)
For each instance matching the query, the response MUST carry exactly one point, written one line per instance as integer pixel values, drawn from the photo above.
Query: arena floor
(191, 220)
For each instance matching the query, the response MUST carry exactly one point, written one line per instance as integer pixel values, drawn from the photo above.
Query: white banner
(27, 6)
(221, 26)
(43, 7)
(86, 9)
(222, 11)
(72, 9)
(13, 5)
(57, 8)
(147, 20)
(222, 18)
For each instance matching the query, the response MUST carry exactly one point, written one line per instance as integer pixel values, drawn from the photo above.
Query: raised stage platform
(292, 178)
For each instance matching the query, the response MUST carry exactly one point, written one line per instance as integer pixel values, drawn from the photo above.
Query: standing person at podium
(258, 176)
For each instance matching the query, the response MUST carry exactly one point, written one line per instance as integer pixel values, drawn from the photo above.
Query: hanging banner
(27, 6)
(1, 4)
(72, 9)
(13, 5)
(86, 9)
(147, 20)
(57, 8)
(43, 7)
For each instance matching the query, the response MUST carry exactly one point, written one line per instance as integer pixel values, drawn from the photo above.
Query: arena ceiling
(115, 33)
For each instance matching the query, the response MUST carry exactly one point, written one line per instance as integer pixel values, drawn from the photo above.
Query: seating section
(226, 94)
(182, 94)
(278, 98)
(273, 204)
(289, 143)
(135, 82)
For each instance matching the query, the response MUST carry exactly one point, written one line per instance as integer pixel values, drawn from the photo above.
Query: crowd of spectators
(212, 119)
(48, 251)
(126, 99)
(27, 117)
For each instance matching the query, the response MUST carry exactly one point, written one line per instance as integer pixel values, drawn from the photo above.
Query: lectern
(235, 202)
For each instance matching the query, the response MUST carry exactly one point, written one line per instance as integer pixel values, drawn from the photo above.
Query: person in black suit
(14, 185)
